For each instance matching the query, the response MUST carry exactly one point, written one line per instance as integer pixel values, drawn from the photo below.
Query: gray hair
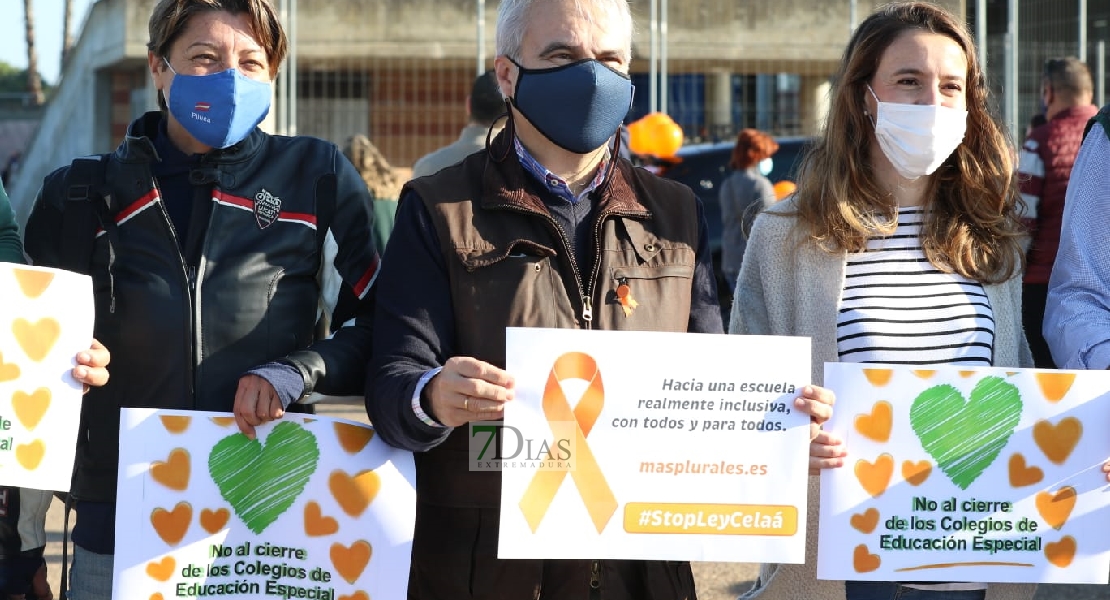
(512, 20)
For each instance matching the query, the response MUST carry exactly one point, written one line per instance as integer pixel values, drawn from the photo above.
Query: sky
(48, 33)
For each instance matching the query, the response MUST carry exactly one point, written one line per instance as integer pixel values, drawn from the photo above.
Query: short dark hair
(1068, 76)
(486, 103)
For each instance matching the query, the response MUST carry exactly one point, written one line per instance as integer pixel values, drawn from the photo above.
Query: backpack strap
(81, 217)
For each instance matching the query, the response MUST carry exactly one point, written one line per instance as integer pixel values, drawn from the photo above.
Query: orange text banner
(646, 445)
(967, 474)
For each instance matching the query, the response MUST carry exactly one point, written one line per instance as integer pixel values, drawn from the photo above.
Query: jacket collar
(138, 146)
(506, 185)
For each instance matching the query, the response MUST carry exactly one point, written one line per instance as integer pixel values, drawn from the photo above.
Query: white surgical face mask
(918, 138)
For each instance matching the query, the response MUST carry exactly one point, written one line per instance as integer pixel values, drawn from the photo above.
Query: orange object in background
(655, 134)
(784, 188)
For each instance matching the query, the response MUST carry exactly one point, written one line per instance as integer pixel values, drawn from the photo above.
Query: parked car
(703, 167)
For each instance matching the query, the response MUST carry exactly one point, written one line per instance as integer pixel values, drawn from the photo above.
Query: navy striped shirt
(898, 308)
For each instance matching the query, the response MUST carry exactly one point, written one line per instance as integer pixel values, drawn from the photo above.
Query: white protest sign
(647, 445)
(315, 507)
(957, 474)
(47, 319)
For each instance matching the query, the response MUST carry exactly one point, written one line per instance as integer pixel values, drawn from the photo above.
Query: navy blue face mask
(577, 106)
(218, 109)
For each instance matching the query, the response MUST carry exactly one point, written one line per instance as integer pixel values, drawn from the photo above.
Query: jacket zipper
(585, 290)
(190, 276)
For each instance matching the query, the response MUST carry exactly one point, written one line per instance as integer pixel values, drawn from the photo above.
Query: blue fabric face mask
(577, 106)
(218, 109)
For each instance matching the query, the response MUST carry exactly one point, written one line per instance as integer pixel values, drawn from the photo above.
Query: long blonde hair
(972, 227)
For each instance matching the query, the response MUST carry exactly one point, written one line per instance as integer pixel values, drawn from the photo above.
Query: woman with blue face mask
(211, 245)
(900, 245)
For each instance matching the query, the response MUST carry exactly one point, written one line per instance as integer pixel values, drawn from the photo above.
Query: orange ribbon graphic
(587, 476)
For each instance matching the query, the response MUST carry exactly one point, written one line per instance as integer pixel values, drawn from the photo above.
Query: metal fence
(399, 70)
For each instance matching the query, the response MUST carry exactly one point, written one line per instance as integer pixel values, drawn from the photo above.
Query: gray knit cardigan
(789, 286)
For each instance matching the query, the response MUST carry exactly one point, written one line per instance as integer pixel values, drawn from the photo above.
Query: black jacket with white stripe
(183, 330)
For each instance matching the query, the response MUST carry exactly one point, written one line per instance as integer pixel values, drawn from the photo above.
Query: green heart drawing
(262, 482)
(965, 437)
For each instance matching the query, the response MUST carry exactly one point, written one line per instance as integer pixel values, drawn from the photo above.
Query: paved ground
(716, 581)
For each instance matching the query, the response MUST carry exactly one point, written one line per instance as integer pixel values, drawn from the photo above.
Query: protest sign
(314, 508)
(647, 445)
(48, 319)
(955, 474)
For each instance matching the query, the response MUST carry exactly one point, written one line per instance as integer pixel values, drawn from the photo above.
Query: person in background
(744, 193)
(382, 181)
(23, 510)
(528, 233)
(1044, 167)
(1077, 309)
(483, 107)
(208, 274)
(901, 243)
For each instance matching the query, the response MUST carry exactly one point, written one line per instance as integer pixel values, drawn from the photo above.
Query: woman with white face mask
(900, 245)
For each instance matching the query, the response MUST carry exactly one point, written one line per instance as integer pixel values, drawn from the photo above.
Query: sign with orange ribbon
(647, 445)
(47, 319)
(314, 507)
(957, 474)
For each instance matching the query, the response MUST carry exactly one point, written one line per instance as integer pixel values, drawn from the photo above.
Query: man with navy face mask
(546, 228)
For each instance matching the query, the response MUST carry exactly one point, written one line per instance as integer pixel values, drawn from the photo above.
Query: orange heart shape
(351, 561)
(29, 408)
(174, 473)
(359, 595)
(352, 437)
(863, 561)
(161, 570)
(30, 455)
(214, 520)
(865, 522)
(876, 426)
(1056, 507)
(915, 473)
(36, 338)
(8, 371)
(172, 525)
(924, 373)
(875, 477)
(1060, 553)
(354, 494)
(1022, 475)
(878, 377)
(223, 421)
(175, 423)
(1054, 384)
(315, 523)
(33, 282)
(156, 596)
(1057, 441)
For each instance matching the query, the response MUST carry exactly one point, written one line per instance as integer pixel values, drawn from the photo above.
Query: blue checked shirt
(551, 180)
(1077, 315)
